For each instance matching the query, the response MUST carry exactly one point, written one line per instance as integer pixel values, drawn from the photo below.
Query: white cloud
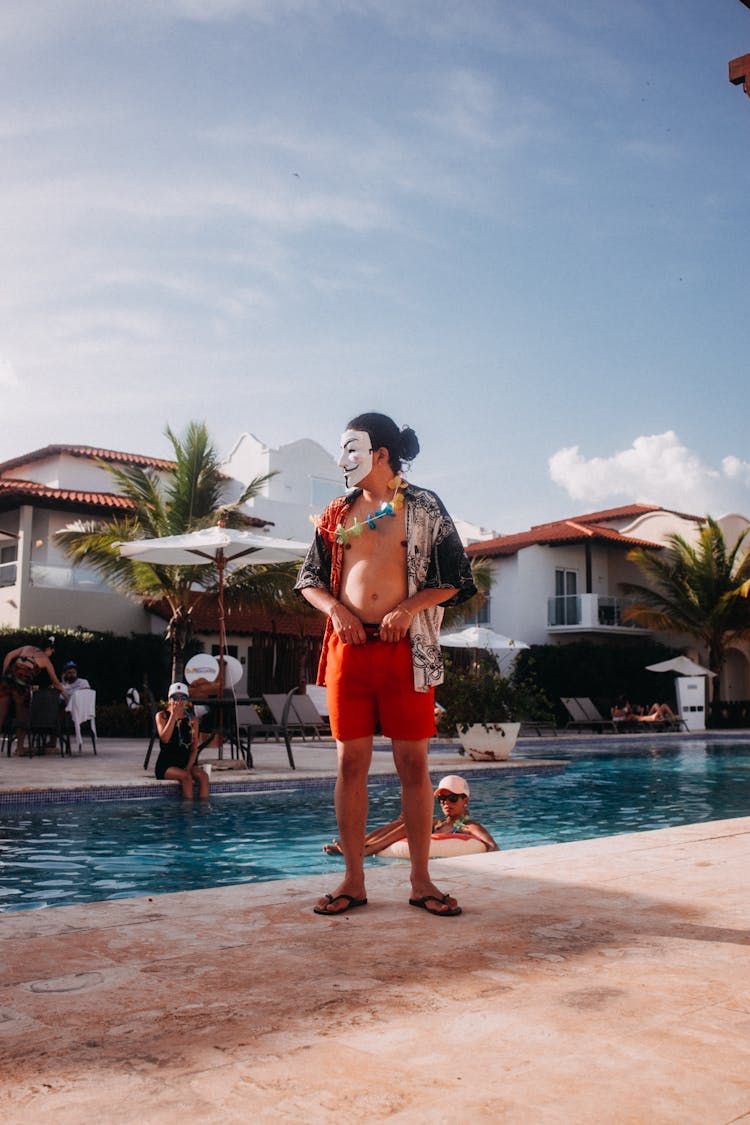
(656, 469)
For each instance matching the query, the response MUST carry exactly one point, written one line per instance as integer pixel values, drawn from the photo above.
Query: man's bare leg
(418, 803)
(350, 800)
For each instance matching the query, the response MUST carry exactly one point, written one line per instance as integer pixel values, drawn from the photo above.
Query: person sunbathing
(622, 712)
(659, 713)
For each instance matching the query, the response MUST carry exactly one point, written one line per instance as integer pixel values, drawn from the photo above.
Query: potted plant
(486, 709)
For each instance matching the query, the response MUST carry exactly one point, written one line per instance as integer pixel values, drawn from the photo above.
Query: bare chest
(372, 535)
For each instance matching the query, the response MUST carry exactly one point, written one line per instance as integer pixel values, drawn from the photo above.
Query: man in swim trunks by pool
(384, 559)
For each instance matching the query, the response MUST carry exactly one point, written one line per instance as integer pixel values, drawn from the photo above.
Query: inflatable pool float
(442, 844)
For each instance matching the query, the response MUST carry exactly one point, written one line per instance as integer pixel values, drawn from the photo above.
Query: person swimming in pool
(453, 795)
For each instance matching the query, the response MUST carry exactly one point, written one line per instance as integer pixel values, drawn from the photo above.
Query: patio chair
(285, 718)
(7, 734)
(585, 717)
(154, 735)
(319, 696)
(82, 709)
(309, 716)
(278, 704)
(45, 721)
(252, 726)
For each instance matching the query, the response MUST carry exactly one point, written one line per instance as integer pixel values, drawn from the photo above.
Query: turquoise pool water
(71, 853)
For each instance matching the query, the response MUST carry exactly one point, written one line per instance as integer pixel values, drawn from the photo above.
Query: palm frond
(695, 589)
(269, 586)
(468, 611)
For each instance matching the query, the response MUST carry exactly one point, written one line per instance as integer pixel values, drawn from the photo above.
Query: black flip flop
(422, 904)
(350, 900)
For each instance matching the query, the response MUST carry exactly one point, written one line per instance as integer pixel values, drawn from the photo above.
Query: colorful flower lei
(344, 535)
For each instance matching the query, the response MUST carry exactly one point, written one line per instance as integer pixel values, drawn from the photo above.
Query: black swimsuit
(176, 752)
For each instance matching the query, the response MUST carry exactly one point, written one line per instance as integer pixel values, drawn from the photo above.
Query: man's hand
(347, 625)
(395, 625)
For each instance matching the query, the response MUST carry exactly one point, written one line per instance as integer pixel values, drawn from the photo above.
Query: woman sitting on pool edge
(453, 795)
(177, 728)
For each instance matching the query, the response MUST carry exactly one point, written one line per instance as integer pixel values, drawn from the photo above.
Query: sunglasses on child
(450, 797)
(180, 698)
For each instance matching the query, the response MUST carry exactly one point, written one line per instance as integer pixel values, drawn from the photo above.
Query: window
(8, 560)
(566, 598)
(483, 612)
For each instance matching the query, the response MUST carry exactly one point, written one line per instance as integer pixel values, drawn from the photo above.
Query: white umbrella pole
(220, 563)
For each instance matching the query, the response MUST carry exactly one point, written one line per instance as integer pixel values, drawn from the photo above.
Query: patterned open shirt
(435, 559)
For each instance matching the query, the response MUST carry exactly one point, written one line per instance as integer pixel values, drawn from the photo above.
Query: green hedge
(600, 671)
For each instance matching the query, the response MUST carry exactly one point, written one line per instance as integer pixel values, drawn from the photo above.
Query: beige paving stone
(605, 982)
(550, 1000)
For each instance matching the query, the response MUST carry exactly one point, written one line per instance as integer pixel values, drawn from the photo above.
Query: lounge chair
(309, 716)
(585, 716)
(284, 714)
(250, 726)
(539, 727)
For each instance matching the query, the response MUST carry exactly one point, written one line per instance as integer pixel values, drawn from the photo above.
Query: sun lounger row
(585, 715)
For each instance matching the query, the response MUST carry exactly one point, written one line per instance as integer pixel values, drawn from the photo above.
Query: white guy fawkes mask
(356, 456)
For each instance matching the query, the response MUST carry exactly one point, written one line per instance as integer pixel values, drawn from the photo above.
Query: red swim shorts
(374, 683)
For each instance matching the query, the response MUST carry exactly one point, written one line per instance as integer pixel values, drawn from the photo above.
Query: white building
(562, 581)
(41, 493)
(306, 479)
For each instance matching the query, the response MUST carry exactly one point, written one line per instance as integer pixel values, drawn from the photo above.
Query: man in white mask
(356, 457)
(381, 579)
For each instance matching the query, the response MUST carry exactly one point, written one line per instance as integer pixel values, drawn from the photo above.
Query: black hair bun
(409, 444)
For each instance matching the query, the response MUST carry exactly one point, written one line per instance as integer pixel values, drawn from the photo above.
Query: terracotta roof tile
(246, 621)
(577, 530)
(12, 490)
(625, 511)
(89, 452)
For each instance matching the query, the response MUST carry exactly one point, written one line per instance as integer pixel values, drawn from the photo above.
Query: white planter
(489, 740)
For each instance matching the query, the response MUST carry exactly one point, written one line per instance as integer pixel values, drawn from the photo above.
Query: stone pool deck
(606, 981)
(119, 764)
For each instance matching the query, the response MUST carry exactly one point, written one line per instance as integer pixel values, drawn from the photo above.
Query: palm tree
(468, 611)
(696, 590)
(186, 498)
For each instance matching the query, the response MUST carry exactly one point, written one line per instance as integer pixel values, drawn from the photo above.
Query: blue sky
(520, 228)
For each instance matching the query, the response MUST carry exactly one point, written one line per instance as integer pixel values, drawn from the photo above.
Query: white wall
(307, 479)
(65, 471)
(520, 588)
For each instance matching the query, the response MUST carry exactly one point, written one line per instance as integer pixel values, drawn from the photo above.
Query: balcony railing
(588, 611)
(8, 573)
(65, 577)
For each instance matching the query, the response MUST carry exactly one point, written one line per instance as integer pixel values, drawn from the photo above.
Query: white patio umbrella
(681, 666)
(219, 545)
(479, 636)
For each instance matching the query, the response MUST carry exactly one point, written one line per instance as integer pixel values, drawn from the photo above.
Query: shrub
(483, 695)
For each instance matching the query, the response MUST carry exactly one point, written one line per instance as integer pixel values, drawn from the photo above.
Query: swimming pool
(58, 855)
